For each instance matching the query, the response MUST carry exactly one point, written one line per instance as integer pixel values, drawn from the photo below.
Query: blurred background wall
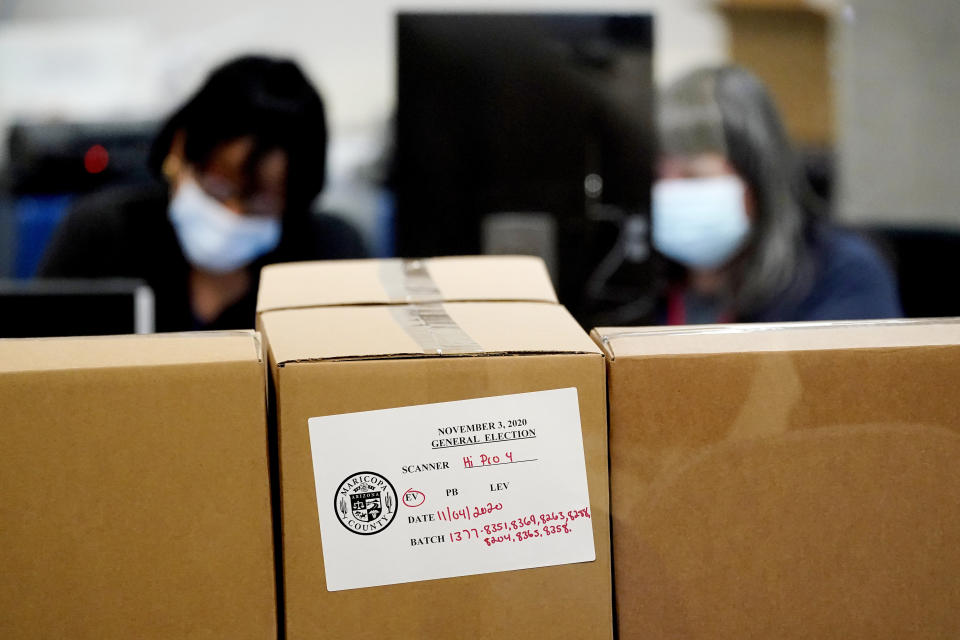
(898, 112)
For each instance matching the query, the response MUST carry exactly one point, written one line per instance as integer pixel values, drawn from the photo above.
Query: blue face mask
(700, 222)
(213, 237)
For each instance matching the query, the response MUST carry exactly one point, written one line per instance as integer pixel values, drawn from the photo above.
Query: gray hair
(727, 109)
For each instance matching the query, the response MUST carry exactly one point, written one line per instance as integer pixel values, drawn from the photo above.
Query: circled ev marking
(413, 498)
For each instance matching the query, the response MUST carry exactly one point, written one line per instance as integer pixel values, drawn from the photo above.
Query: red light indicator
(96, 159)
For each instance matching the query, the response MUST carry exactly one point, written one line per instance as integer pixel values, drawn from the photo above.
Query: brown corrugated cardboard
(328, 361)
(380, 331)
(786, 481)
(393, 281)
(134, 490)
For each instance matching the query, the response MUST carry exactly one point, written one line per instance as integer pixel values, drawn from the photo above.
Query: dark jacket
(842, 277)
(126, 233)
(850, 281)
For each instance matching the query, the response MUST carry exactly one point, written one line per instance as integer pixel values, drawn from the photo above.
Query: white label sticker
(452, 489)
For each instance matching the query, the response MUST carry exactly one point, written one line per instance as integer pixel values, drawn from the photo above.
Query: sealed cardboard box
(443, 469)
(395, 281)
(134, 489)
(786, 481)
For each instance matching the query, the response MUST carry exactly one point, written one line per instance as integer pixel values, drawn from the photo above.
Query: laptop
(40, 308)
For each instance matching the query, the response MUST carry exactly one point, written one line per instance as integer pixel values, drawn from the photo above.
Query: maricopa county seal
(365, 503)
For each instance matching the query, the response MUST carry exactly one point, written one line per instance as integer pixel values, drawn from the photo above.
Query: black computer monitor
(519, 130)
(46, 308)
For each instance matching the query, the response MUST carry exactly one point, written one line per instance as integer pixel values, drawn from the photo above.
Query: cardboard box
(786, 481)
(295, 285)
(134, 489)
(328, 363)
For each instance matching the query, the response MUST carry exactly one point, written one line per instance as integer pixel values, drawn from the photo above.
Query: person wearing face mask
(240, 163)
(741, 232)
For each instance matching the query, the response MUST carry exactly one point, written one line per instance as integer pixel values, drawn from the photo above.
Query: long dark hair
(271, 100)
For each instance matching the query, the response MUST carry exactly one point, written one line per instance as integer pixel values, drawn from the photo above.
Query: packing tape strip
(408, 280)
(433, 329)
